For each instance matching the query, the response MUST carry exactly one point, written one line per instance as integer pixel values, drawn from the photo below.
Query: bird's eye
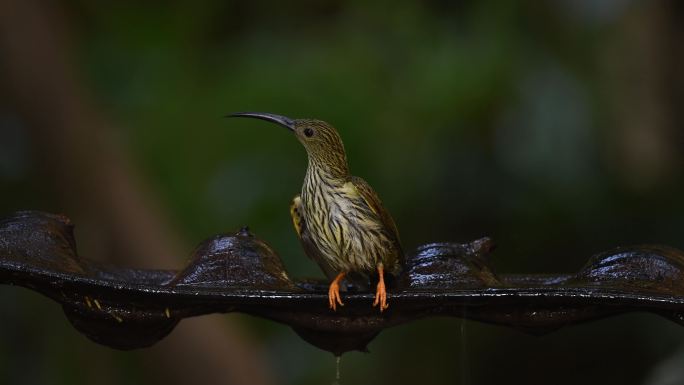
(308, 132)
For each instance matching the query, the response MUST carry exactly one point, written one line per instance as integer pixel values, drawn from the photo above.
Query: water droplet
(465, 374)
(337, 371)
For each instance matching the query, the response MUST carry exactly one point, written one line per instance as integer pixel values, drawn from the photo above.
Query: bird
(339, 219)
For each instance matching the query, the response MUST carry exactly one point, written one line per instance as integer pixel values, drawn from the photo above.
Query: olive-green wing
(373, 201)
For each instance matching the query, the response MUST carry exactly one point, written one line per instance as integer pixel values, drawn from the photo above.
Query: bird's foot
(334, 292)
(381, 297)
(381, 292)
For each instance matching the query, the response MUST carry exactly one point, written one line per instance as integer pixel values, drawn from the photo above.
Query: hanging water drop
(337, 371)
(465, 380)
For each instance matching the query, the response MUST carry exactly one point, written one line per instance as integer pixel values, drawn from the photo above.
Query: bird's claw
(334, 296)
(381, 297)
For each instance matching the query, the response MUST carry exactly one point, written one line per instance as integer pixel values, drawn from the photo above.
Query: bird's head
(321, 141)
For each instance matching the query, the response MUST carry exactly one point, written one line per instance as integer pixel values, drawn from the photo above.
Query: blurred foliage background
(553, 126)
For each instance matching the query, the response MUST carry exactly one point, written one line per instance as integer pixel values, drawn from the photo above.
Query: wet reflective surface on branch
(130, 308)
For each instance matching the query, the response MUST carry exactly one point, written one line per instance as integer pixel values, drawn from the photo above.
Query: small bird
(339, 219)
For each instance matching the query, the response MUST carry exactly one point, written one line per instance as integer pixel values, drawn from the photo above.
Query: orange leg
(334, 291)
(381, 293)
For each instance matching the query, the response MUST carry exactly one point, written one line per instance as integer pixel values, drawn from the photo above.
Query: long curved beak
(273, 118)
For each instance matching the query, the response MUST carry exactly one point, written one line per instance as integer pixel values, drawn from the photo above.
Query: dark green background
(552, 126)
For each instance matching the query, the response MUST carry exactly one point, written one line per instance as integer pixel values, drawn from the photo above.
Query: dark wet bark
(134, 308)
